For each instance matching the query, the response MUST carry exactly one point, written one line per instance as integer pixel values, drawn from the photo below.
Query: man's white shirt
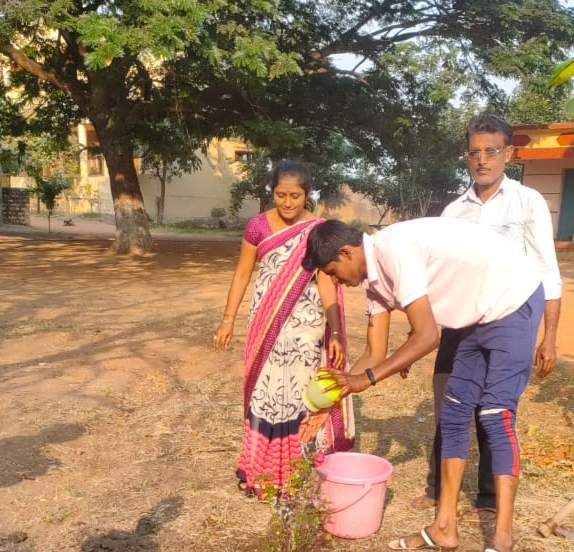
(472, 275)
(521, 215)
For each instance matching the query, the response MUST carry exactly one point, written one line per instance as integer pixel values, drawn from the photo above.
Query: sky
(348, 61)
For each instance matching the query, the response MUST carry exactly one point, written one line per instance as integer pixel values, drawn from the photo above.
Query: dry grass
(121, 427)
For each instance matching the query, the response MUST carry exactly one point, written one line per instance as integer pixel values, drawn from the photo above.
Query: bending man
(455, 274)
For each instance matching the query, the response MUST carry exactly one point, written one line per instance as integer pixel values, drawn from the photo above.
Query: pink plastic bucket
(353, 485)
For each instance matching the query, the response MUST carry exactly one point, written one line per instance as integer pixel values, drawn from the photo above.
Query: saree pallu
(285, 346)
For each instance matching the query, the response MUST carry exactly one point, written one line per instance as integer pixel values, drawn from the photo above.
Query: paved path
(99, 229)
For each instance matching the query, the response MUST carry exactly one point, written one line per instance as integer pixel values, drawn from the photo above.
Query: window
(95, 164)
(245, 156)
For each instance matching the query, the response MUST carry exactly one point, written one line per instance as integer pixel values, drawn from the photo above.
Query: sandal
(428, 544)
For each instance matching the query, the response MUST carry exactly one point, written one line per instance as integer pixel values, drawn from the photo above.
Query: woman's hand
(311, 424)
(336, 351)
(222, 336)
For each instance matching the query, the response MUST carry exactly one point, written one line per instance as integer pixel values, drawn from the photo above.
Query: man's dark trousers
(486, 497)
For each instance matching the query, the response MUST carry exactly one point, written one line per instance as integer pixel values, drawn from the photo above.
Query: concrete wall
(15, 206)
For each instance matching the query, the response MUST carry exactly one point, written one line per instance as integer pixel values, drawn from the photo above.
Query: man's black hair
(489, 122)
(326, 239)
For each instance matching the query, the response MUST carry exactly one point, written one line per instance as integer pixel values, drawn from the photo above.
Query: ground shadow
(21, 457)
(558, 389)
(413, 433)
(415, 436)
(142, 538)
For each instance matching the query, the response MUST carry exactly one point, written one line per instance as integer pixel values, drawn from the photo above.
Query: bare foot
(501, 543)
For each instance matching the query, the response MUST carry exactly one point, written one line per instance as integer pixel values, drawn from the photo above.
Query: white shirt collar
(470, 194)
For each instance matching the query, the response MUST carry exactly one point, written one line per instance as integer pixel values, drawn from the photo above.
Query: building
(191, 197)
(547, 155)
(188, 198)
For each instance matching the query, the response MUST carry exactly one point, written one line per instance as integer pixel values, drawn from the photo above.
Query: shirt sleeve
(539, 242)
(406, 270)
(375, 304)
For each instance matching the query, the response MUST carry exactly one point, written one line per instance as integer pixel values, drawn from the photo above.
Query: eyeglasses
(475, 155)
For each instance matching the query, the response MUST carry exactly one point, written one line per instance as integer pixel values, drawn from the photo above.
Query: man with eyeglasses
(520, 214)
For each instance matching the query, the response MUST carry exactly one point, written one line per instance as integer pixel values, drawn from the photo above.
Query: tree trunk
(0, 192)
(161, 199)
(132, 228)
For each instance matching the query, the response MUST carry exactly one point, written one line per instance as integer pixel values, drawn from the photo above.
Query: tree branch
(35, 68)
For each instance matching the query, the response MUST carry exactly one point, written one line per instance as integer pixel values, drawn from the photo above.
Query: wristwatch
(371, 376)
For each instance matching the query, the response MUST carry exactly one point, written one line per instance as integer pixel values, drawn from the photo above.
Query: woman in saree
(296, 325)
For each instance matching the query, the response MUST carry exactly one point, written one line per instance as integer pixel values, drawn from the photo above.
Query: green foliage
(264, 69)
(218, 212)
(167, 150)
(423, 168)
(253, 182)
(532, 102)
(9, 161)
(39, 154)
(135, 65)
(296, 510)
(48, 188)
(562, 73)
(569, 110)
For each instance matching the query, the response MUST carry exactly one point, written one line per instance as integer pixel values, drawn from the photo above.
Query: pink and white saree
(285, 346)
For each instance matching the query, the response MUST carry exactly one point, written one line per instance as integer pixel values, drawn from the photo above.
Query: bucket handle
(366, 490)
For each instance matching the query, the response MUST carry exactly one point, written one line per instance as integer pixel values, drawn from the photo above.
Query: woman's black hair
(299, 170)
(326, 239)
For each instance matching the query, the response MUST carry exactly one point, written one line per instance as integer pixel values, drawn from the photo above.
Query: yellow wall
(195, 194)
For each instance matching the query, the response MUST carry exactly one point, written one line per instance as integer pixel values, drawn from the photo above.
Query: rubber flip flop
(429, 544)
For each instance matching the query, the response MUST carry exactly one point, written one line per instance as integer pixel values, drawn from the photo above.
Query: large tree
(221, 67)
(107, 60)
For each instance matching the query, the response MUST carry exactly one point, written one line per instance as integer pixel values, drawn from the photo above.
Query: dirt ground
(120, 427)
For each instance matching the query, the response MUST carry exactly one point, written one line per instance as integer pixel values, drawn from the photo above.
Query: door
(566, 218)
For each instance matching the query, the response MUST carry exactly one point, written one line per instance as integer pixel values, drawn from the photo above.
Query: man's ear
(508, 153)
(346, 253)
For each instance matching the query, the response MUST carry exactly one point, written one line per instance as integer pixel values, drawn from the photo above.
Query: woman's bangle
(228, 319)
(335, 332)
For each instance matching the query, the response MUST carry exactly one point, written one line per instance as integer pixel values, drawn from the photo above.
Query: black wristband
(371, 376)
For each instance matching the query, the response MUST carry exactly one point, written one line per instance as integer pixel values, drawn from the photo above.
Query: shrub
(297, 510)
